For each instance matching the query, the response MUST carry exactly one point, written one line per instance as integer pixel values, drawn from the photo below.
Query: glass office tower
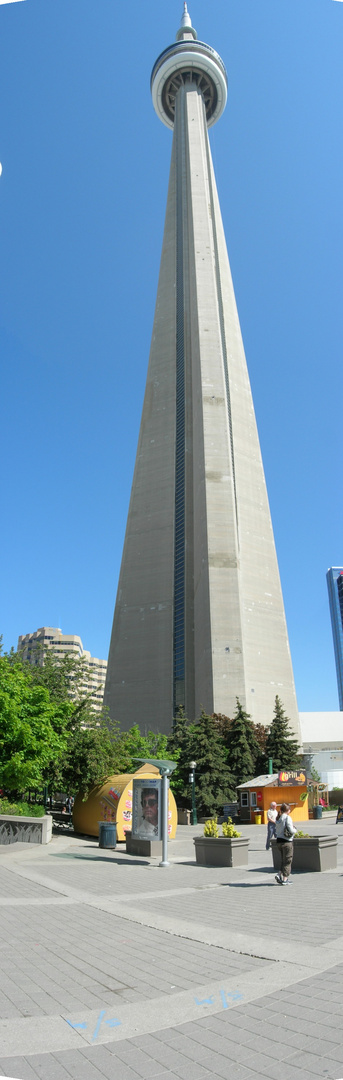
(334, 579)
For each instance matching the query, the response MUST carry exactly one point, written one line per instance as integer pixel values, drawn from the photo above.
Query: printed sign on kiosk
(292, 779)
(146, 809)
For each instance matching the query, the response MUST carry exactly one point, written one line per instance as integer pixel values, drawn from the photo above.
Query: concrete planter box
(140, 846)
(311, 853)
(221, 851)
(25, 830)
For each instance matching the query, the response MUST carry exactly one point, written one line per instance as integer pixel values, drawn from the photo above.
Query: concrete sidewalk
(115, 967)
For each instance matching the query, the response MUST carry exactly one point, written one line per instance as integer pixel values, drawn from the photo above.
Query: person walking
(285, 832)
(271, 827)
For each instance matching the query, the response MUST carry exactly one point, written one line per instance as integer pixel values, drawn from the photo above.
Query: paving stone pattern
(227, 907)
(12, 886)
(62, 951)
(92, 957)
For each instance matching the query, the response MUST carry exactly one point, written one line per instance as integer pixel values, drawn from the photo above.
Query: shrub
(20, 809)
(229, 830)
(211, 828)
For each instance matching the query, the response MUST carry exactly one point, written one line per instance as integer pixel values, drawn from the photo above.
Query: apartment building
(33, 648)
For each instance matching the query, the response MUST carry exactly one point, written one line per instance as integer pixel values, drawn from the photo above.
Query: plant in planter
(310, 853)
(230, 849)
(211, 828)
(229, 830)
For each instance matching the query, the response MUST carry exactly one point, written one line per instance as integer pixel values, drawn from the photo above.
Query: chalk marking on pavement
(34, 1035)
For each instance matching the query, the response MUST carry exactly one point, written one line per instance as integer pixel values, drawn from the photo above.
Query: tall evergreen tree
(214, 784)
(261, 762)
(223, 724)
(180, 748)
(281, 745)
(200, 742)
(242, 746)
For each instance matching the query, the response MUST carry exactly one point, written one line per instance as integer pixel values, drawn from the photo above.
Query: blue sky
(82, 201)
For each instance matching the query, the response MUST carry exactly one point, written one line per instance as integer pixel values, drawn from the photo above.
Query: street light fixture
(192, 765)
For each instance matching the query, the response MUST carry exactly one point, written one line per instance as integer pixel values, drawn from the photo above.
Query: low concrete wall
(25, 830)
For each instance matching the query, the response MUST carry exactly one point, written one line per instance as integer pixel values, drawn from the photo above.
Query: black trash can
(317, 812)
(107, 834)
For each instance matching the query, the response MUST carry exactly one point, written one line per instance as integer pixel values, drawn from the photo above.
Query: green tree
(223, 724)
(47, 736)
(132, 745)
(91, 755)
(315, 775)
(261, 762)
(33, 729)
(214, 782)
(242, 746)
(200, 742)
(180, 748)
(67, 678)
(281, 745)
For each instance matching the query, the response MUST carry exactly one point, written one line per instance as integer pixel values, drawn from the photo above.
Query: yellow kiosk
(112, 802)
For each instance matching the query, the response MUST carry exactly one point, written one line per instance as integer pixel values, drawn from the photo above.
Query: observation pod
(188, 61)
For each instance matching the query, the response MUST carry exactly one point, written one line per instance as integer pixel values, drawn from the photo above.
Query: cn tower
(199, 618)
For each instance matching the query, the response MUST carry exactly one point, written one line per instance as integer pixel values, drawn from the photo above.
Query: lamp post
(192, 765)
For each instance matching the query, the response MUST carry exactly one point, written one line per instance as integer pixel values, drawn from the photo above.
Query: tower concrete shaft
(199, 617)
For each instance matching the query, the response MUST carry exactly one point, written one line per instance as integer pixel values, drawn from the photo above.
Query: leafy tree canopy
(132, 745)
(47, 737)
(90, 757)
(33, 729)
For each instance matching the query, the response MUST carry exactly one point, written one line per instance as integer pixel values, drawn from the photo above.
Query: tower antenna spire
(186, 27)
(186, 19)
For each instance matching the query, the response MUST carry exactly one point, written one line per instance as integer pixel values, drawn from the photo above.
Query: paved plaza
(112, 966)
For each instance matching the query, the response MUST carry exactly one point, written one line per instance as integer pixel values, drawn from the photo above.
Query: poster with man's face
(146, 814)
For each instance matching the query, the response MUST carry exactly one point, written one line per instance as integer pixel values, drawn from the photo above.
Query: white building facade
(322, 744)
(32, 647)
